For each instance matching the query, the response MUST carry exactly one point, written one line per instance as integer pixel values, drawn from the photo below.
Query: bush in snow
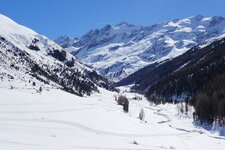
(40, 90)
(142, 114)
(180, 108)
(135, 142)
(11, 87)
(122, 100)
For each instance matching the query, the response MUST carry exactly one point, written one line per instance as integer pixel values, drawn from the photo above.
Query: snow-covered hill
(57, 120)
(30, 60)
(119, 50)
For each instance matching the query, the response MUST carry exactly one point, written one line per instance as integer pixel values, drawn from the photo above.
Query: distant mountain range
(117, 51)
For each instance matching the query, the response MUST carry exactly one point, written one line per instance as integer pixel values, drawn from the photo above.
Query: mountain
(198, 70)
(117, 51)
(30, 60)
(151, 74)
(66, 41)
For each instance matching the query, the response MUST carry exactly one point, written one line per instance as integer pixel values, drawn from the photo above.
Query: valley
(119, 87)
(58, 120)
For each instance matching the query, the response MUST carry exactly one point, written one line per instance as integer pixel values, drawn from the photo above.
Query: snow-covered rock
(116, 51)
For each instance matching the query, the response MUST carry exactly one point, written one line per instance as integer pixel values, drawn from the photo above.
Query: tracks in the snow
(52, 111)
(158, 112)
(88, 129)
(110, 148)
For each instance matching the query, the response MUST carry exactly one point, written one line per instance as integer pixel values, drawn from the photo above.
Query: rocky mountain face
(30, 60)
(117, 51)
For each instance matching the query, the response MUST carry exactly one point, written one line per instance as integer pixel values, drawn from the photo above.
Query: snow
(22, 37)
(8, 25)
(17, 58)
(143, 45)
(54, 120)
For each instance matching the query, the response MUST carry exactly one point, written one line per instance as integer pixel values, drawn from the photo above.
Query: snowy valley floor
(56, 120)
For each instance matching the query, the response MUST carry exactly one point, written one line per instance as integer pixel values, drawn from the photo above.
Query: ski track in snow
(52, 111)
(56, 120)
(89, 129)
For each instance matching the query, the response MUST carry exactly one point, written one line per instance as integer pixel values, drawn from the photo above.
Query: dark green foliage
(70, 63)
(203, 109)
(59, 55)
(2, 38)
(70, 79)
(35, 40)
(34, 47)
(210, 103)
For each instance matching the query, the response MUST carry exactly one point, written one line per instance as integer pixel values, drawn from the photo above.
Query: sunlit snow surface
(56, 120)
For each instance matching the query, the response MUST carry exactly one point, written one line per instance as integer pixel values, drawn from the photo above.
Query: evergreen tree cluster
(70, 79)
(200, 82)
(210, 103)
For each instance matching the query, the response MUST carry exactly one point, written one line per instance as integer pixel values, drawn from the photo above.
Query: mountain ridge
(117, 51)
(30, 60)
(197, 69)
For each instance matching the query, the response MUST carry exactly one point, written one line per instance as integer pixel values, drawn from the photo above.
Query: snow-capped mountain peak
(124, 26)
(119, 50)
(9, 26)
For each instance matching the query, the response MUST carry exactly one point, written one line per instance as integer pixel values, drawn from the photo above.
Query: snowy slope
(33, 61)
(56, 120)
(119, 50)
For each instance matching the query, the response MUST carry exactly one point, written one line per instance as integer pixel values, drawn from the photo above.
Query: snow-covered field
(56, 120)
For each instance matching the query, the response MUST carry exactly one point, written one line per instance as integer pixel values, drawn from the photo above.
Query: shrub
(142, 115)
(180, 108)
(34, 47)
(40, 90)
(135, 142)
(122, 100)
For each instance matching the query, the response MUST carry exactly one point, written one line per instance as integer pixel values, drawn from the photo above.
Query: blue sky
(76, 17)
